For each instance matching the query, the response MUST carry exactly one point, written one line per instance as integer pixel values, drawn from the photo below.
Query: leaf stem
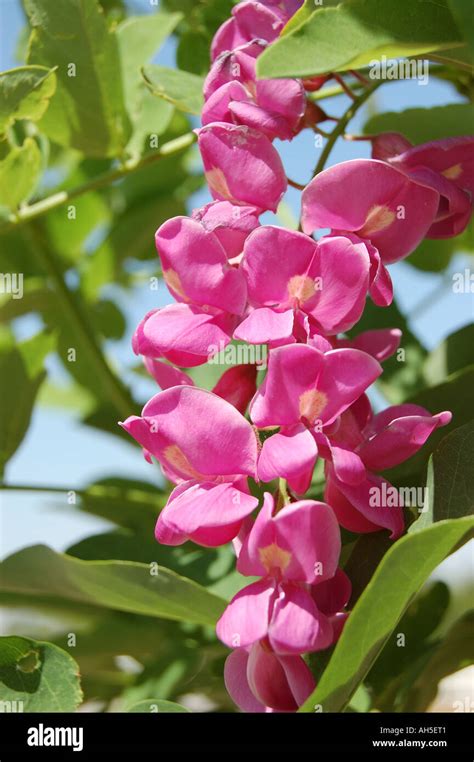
(342, 124)
(117, 393)
(28, 213)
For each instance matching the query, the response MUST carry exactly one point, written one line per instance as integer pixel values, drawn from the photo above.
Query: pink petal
(332, 595)
(451, 157)
(174, 427)
(264, 325)
(238, 385)
(246, 618)
(290, 454)
(368, 498)
(209, 514)
(292, 371)
(381, 343)
(276, 263)
(183, 334)
(398, 433)
(241, 165)
(343, 267)
(296, 624)
(345, 375)
(268, 680)
(235, 678)
(195, 266)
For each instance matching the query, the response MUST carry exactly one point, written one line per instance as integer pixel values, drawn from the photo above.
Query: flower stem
(339, 129)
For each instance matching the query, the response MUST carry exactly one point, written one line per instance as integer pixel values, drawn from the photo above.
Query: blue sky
(59, 451)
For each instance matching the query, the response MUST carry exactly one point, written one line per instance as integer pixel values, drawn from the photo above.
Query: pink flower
(208, 449)
(364, 444)
(445, 165)
(241, 165)
(184, 334)
(237, 385)
(253, 20)
(196, 268)
(230, 224)
(297, 547)
(374, 200)
(233, 94)
(259, 680)
(305, 390)
(381, 343)
(298, 286)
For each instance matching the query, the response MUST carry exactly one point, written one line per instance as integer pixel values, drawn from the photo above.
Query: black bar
(126, 734)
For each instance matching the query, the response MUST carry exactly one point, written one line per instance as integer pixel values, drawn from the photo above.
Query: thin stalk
(31, 212)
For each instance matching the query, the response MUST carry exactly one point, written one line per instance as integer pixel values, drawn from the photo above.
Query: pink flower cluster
(235, 279)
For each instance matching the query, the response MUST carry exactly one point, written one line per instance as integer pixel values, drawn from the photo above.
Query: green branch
(342, 124)
(28, 213)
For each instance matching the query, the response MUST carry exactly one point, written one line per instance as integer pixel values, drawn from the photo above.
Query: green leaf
(421, 125)
(139, 37)
(119, 585)
(453, 354)
(357, 32)
(37, 677)
(449, 489)
(403, 570)
(462, 13)
(157, 705)
(25, 93)
(87, 111)
(19, 173)
(392, 670)
(454, 652)
(182, 89)
(21, 371)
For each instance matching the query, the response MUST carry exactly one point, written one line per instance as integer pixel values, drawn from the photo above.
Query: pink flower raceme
(275, 107)
(237, 385)
(305, 390)
(208, 449)
(241, 165)
(446, 165)
(291, 551)
(262, 20)
(364, 444)
(375, 200)
(259, 680)
(298, 286)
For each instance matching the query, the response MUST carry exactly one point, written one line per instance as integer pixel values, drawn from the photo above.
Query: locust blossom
(232, 92)
(259, 680)
(363, 445)
(297, 286)
(251, 20)
(241, 165)
(305, 391)
(445, 165)
(208, 449)
(375, 200)
(290, 551)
